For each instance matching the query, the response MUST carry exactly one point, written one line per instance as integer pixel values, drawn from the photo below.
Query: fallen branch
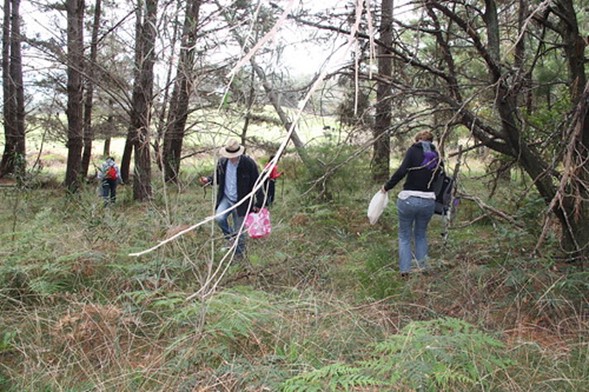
(492, 210)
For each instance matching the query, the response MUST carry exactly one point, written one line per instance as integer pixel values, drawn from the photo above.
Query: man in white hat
(236, 176)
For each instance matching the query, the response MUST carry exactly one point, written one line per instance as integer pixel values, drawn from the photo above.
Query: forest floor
(318, 305)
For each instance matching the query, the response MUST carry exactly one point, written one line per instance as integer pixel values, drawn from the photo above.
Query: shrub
(441, 354)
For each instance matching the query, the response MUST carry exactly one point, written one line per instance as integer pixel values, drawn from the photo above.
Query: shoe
(227, 246)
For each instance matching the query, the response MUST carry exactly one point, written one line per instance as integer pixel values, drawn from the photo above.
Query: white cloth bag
(377, 205)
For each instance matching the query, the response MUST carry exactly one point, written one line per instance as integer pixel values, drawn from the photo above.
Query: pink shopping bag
(258, 223)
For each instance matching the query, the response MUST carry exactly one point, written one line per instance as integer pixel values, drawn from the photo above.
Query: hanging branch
(574, 180)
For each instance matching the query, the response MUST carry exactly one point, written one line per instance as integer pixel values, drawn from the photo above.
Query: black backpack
(443, 186)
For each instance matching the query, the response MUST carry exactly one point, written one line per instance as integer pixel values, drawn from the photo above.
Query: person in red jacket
(270, 185)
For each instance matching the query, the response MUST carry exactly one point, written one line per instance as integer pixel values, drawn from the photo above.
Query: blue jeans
(109, 191)
(231, 230)
(414, 216)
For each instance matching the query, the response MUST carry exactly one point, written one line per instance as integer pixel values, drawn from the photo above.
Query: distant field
(310, 129)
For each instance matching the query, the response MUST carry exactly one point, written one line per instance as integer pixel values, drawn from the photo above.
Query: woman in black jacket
(416, 202)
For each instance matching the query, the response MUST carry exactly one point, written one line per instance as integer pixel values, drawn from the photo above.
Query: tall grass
(318, 305)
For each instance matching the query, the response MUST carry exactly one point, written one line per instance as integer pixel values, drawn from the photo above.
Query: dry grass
(79, 314)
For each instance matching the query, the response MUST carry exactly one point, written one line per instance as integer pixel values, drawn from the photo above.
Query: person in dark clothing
(236, 175)
(416, 202)
(270, 184)
(109, 176)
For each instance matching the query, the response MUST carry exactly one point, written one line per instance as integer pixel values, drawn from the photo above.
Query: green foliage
(334, 173)
(531, 211)
(334, 377)
(233, 315)
(549, 370)
(354, 108)
(440, 354)
(575, 286)
(379, 277)
(321, 293)
(6, 343)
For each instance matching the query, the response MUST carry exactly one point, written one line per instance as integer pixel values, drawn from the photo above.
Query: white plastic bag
(258, 223)
(377, 205)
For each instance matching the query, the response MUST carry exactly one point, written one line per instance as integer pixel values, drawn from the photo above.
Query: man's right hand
(203, 180)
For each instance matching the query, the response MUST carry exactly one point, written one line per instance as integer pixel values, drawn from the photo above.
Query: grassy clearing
(318, 306)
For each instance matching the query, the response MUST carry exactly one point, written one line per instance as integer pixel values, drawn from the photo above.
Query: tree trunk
(574, 47)
(131, 131)
(178, 114)
(106, 146)
(251, 99)
(14, 156)
(510, 139)
(142, 103)
(109, 131)
(88, 129)
(75, 55)
(382, 140)
(573, 208)
(273, 97)
(165, 106)
(286, 122)
(9, 97)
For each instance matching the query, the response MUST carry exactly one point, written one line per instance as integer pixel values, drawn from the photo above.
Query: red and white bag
(258, 223)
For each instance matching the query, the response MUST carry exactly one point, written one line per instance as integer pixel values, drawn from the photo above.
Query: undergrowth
(318, 305)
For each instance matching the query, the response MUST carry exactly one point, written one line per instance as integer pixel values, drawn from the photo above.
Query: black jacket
(419, 178)
(247, 174)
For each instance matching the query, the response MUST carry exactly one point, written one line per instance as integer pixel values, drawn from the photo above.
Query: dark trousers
(270, 190)
(109, 191)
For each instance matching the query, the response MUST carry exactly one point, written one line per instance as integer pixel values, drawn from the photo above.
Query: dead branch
(492, 210)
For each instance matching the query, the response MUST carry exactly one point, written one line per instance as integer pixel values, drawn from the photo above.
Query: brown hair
(424, 135)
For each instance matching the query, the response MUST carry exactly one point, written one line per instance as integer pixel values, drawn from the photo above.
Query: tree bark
(88, 102)
(142, 103)
(573, 206)
(75, 56)
(382, 124)
(131, 131)
(286, 122)
(178, 114)
(9, 97)
(574, 47)
(14, 156)
(165, 106)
